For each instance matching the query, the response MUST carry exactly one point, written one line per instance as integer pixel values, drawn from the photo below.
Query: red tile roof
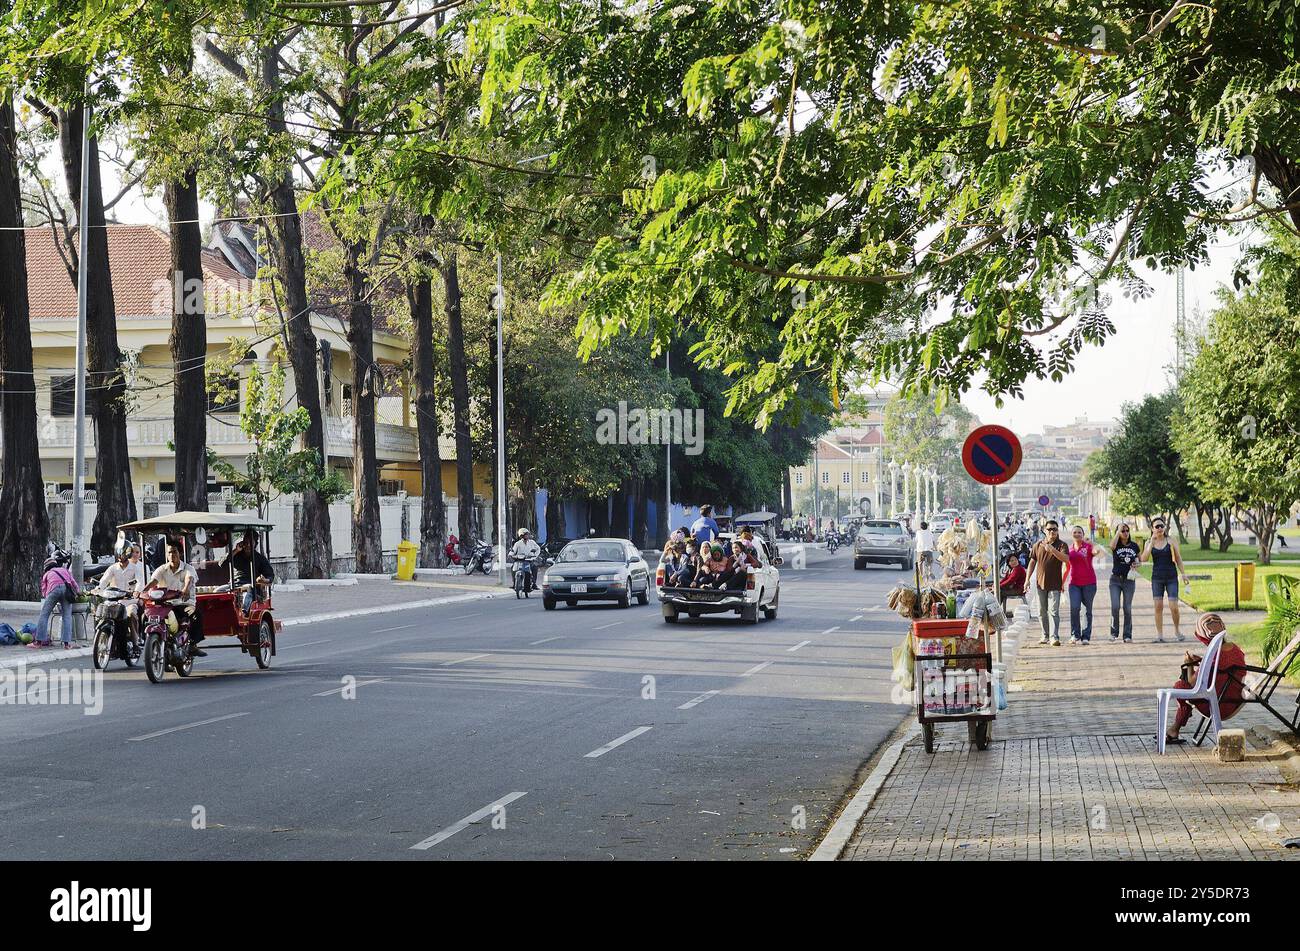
(139, 257)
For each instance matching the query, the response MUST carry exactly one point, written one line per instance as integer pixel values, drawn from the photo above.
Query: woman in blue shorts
(1166, 570)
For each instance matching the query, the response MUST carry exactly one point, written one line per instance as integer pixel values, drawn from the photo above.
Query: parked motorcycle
(481, 558)
(166, 639)
(113, 628)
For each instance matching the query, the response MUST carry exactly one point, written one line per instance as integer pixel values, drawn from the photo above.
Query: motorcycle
(481, 558)
(113, 629)
(832, 542)
(524, 571)
(166, 640)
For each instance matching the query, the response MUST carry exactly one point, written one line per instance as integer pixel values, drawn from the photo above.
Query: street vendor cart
(953, 679)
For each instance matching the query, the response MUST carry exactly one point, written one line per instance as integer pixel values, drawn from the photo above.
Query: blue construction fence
(576, 523)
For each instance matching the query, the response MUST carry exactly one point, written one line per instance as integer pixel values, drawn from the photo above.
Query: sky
(1137, 361)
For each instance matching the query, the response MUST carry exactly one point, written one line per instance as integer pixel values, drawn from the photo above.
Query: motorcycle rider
(526, 550)
(251, 570)
(176, 575)
(126, 574)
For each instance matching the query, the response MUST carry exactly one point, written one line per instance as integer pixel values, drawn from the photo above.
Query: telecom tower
(1180, 326)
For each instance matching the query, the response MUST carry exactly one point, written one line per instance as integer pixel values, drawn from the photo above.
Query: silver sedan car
(883, 539)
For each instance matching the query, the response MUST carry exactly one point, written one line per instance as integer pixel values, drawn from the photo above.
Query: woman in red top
(1227, 686)
(1012, 584)
(1083, 585)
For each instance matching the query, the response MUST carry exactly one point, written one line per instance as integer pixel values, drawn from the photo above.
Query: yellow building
(140, 263)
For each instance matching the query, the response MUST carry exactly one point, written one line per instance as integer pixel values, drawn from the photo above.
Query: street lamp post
(501, 429)
(893, 488)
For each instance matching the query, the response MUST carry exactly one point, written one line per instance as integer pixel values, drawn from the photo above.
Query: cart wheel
(927, 731)
(263, 654)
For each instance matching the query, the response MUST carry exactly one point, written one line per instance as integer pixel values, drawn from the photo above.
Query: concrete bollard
(1232, 746)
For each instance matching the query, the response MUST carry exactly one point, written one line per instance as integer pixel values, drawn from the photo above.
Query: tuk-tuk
(764, 524)
(220, 607)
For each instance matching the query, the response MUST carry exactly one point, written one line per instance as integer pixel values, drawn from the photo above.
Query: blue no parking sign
(991, 454)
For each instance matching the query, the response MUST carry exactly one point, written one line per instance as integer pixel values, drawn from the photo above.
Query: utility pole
(668, 457)
(501, 428)
(79, 398)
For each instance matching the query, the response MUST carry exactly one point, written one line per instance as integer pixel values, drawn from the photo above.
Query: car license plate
(578, 588)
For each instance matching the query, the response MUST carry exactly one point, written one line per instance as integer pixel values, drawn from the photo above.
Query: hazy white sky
(1136, 361)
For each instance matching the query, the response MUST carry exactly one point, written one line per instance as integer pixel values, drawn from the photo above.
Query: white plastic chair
(1203, 689)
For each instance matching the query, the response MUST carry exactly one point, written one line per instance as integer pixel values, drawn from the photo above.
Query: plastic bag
(903, 663)
(8, 636)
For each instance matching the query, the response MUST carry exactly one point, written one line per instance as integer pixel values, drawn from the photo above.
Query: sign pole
(997, 584)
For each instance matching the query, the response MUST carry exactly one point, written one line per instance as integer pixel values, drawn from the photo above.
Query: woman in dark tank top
(1166, 571)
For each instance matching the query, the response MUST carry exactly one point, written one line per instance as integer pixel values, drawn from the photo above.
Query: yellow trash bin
(1245, 580)
(406, 554)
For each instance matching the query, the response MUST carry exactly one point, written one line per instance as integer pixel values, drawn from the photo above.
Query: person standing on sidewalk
(1048, 562)
(58, 588)
(925, 551)
(1166, 570)
(1083, 585)
(1125, 553)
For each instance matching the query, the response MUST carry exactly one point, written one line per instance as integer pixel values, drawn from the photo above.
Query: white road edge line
(699, 700)
(756, 668)
(837, 837)
(856, 617)
(186, 726)
(603, 626)
(830, 630)
(303, 644)
(461, 617)
(468, 821)
(359, 683)
(546, 640)
(791, 650)
(462, 660)
(614, 744)
(385, 630)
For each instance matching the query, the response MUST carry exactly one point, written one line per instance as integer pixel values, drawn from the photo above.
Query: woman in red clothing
(1230, 656)
(1012, 584)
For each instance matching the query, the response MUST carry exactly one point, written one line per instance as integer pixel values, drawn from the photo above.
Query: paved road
(549, 716)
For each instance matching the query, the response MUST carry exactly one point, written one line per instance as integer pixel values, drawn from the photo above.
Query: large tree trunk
(618, 524)
(24, 521)
(640, 513)
(555, 528)
(313, 546)
(459, 400)
(366, 540)
(433, 520)
(106, 389)
(1224, 532)
(787, 496)
(1262, 520)
(189, 343)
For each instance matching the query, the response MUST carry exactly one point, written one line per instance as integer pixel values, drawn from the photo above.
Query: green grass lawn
(1249, 637)
(1215, 593)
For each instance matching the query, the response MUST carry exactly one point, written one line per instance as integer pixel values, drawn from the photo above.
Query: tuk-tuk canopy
(187, 521)
(756, 518)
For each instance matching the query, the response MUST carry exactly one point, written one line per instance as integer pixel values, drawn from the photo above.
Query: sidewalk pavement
(367, 596)
(1072, 772)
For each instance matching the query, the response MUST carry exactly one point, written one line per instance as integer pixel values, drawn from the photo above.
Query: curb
(43, 657)
(841, 831)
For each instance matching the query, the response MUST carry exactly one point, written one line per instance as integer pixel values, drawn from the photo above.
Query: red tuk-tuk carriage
(219, 606)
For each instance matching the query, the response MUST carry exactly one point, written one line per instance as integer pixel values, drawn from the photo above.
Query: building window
(346, 408)
(866, 478)
(798, 478)
(826, 478)
(63, 395)
(846, 478)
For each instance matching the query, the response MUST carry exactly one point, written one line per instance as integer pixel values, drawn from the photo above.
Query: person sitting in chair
(251, 569)
(1230, 656)
(1012, 584)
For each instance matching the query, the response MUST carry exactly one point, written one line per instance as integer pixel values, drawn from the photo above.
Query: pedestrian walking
(1123, 581)
(1049, 560)
(58, 587)
(1083, 586)
(925, 551)
(1166, 572)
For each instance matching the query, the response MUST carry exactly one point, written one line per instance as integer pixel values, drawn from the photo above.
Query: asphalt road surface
(488, 729)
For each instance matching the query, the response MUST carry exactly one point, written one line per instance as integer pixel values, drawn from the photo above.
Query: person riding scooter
(126, 575)
(176, 575)
(526, 550)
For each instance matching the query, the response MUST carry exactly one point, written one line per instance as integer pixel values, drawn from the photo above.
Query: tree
(276, 465)
(433, 519)
(1142, 464)
(944, 188)
(24, 522)
(1237, 434)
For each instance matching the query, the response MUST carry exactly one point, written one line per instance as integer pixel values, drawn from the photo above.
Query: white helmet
(521, 533)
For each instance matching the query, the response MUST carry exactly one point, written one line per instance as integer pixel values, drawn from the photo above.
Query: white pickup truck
(761, 592)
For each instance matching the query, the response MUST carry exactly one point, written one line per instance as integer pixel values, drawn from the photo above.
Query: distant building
(1053, 467)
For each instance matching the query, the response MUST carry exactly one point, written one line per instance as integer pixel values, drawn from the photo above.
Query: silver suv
(883, 539)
